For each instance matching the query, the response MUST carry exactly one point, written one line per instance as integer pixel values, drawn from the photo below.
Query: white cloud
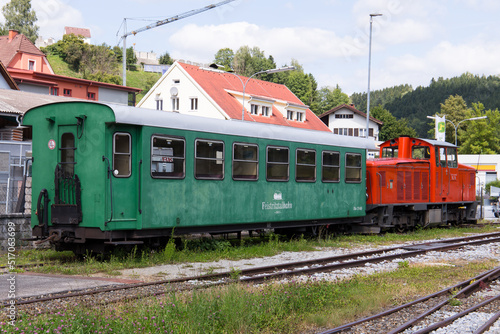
(54, 15)
(302, 43)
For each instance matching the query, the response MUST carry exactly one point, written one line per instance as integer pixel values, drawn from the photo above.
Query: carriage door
(125, 189)
(66, 208)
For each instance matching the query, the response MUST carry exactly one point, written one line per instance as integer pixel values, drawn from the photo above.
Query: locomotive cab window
(420, 152)
(167, 157)
(305, 167)
(209, 160)
(68, 153)
(390, 152)
(245, 161)
(277, 166)
(353, 167)
(122, 150)
(330, 167)
(451, 157)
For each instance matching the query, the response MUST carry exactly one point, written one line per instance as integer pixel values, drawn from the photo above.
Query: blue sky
(413, 42)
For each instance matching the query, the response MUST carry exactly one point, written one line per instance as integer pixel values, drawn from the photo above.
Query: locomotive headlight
(115, 172)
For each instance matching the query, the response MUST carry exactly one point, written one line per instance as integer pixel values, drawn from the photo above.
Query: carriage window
(122, 154)
(390, 152)
(305, 168)
(167, 157)
(209, 160)
(440, 157)
(68, 153)
(277, 166)
(353, 167)
(420, 152)
(451, 155)
(331, 167)
(245, 161)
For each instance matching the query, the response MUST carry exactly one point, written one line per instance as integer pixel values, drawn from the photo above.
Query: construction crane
(157, 24)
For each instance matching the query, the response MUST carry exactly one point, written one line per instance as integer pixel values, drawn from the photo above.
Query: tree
(248, 61)
(329, 98)
(391, 127)
(455, 109)
(224, 57)
(480, 136)
(19, 16)
(166, 59)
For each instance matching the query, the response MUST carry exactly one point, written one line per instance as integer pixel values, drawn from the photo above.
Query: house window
(91, 96)
(54, 91)
(31, 65)
(254, 109)
(330, 167)
(344, 116)
(167, 157)
(175, 104)
(353, 167)
(66, 92)
(289, 114)
(159, 104)
(176, 81)
(362, 132)
(122, 149)
(305, 168)
(209, 159)
(300, 116)
(277, 167)
(245, 161)
(194, 103)
(265, 111)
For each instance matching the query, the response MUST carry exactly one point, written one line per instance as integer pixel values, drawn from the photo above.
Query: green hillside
(137, 79)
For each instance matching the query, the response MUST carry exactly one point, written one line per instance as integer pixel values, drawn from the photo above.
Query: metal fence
(15, 158)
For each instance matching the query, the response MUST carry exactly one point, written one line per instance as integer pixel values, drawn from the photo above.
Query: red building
(30, 69)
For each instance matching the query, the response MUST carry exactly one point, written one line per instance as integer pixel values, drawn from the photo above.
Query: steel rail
(440, 293)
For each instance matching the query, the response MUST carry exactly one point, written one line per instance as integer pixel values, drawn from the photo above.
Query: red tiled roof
(217, 85)
(77, 31)
(20, 43)
(351, 108)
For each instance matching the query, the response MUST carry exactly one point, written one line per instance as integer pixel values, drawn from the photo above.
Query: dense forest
(415, 105)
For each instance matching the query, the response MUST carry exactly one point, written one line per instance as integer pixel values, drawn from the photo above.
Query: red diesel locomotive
(418, 182)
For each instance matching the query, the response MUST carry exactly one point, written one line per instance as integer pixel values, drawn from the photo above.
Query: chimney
(12, 34)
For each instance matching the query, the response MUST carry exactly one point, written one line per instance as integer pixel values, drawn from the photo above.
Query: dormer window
(300, 116)
(296, 112)
(254, 109)
(265, 111)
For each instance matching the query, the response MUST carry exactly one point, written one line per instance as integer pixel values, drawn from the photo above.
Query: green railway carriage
(111, 175)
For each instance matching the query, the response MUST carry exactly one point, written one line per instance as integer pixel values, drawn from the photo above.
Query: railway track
(426, 316)
(257, 275)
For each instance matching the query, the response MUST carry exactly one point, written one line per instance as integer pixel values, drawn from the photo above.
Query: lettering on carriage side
(278, 204)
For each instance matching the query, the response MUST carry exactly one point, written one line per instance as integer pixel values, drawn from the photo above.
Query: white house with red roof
(346, 120)
(84, 32)
(203, 91)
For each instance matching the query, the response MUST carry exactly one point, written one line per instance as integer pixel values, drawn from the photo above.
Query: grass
(237, 308)
(207, 250)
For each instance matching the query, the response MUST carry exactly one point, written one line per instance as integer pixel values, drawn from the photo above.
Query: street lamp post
(458, 124)
(369, 70)
(274, 70)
